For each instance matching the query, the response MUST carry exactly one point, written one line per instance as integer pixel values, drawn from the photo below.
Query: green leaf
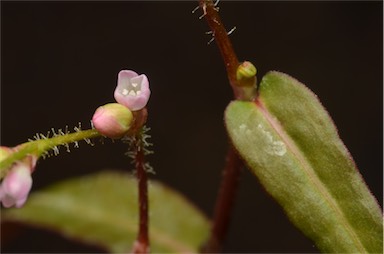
(290, 143)
(102, 209)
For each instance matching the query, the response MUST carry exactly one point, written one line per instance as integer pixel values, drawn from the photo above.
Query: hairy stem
(43, 143)
(222, 40)
(224, 202)
(38, 147)
(231, 172)
(137, 144)
(142, 242)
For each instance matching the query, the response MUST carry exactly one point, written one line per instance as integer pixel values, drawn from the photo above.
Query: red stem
(224, 202)
(222, 40)
(142, 243)
(231, 173)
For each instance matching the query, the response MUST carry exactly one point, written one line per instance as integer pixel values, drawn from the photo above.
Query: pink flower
(112, 120)
(132, 90)
(16, 185)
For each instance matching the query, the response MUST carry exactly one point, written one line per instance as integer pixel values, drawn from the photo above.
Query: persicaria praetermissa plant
(258, 119)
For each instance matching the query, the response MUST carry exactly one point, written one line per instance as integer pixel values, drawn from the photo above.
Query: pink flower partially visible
(132, 90)
(16, 185)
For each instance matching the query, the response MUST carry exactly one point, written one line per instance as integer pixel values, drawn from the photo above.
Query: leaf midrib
(306, 165)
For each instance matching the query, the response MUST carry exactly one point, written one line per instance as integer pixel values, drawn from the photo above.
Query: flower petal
(132, 90)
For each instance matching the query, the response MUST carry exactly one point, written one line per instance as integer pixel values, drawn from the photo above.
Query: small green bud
(112, 120)
(246, 80)
(246, 70)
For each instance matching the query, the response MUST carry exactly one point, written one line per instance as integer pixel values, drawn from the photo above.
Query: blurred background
(60, 62)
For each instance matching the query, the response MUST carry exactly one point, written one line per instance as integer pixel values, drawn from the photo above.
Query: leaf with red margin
(290, 143)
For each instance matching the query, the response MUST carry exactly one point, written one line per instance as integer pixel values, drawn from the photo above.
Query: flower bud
(132, 90)
(16, 185)
(246, 74)
(246, 81)
(112, 120)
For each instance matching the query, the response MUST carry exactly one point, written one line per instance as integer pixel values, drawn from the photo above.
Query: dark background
(60, 62)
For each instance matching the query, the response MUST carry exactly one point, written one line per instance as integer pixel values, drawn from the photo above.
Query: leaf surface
(102, 210)
(290, 143)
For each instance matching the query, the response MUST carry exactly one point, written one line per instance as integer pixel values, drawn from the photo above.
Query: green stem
(38, 147)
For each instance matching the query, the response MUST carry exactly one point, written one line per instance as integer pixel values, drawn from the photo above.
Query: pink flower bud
(112, 120)
(132, 90)
(16, 185)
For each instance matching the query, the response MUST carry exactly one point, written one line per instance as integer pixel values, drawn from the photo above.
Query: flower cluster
(15, 187)
(132, 94)
(112, 120)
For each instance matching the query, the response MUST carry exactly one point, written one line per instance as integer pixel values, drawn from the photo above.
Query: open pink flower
(132, 90)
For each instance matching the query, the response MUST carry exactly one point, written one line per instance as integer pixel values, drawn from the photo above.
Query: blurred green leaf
(290, 143)
(102, 210)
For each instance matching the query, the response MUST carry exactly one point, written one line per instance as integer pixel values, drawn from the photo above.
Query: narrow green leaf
(102, 209)
(290, 143)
